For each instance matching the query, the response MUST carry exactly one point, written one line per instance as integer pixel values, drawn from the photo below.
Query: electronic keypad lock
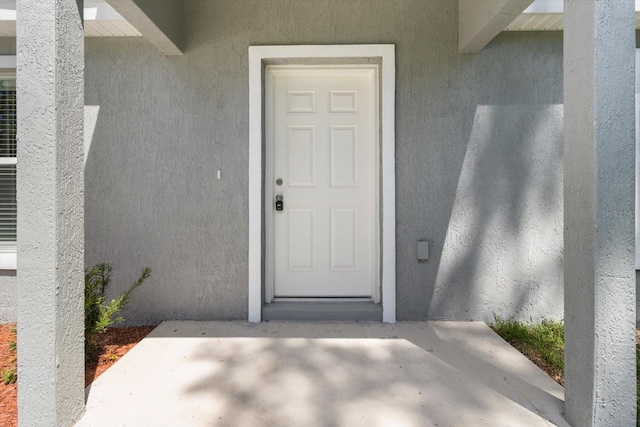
(279, 203)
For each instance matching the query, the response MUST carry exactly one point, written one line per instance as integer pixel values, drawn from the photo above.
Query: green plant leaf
(99, 315)
(8, 375)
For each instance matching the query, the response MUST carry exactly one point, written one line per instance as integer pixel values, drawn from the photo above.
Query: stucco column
(50, 73)
(599, 152)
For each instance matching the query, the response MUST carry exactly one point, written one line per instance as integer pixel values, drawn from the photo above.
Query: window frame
(8, 252)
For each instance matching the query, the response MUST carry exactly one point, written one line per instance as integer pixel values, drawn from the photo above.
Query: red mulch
(8, 392)
(112, 345)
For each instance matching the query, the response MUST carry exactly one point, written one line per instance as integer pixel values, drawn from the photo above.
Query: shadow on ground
(330, 374)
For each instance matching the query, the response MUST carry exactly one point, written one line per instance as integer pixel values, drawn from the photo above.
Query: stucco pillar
(599, 151)
(50, 73)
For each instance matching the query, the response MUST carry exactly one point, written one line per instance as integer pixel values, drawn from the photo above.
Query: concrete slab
(323, 374)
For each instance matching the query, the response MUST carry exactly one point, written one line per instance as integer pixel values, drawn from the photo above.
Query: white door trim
(257, 57)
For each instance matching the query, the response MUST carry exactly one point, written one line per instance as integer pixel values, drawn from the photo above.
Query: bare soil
(111, 345)
(535, 357)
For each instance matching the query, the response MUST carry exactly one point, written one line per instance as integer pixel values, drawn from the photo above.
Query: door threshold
(325, 299)
(335, 311)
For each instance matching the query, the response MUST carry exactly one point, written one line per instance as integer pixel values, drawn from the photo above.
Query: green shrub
(98, 314)
(546, 338)
(9, 375)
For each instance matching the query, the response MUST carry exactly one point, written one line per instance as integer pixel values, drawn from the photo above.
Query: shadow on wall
(478, 173)
(504, 244)
(91, 113)
(483, 183)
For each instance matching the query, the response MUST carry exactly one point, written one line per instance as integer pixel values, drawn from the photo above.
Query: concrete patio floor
(235, 374)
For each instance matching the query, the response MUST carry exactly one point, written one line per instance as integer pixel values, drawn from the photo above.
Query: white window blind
(8, 163)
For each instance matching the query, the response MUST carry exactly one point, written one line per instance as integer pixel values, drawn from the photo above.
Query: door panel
(344, 239)
(323, 136)
(301, 153)
(343, 147)
(302, 240)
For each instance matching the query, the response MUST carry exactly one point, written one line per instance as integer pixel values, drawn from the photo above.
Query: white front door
(322, 142)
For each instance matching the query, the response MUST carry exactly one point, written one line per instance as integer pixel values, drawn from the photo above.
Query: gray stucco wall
(7, 46)
(478, 146)
(478, 159)
(7, 298)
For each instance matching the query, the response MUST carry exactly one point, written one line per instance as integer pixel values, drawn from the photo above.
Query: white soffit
(548, 15)
(100, 20)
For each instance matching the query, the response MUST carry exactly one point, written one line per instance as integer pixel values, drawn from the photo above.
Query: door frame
(259, 56)
(368, 70)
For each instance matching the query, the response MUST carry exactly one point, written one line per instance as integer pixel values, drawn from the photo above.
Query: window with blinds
(8, 163)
